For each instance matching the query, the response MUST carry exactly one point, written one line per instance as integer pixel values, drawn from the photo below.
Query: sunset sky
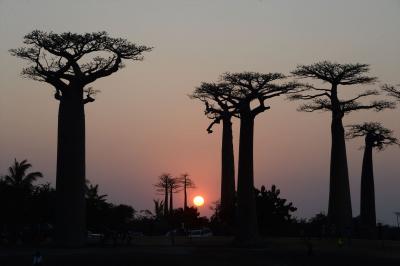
(143, 123)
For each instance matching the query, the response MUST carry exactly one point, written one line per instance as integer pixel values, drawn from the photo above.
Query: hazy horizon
(143, 123)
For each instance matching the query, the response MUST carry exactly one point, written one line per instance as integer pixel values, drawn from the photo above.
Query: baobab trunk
(227, 173)
(70, 184)
(367, 203)
(166, 202)
(246, 226)
(339, 212)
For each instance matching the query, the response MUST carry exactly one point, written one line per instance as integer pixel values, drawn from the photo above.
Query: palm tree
(92, 194)
(17, 176)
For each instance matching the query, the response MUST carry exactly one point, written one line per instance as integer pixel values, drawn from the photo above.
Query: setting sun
(198, 201)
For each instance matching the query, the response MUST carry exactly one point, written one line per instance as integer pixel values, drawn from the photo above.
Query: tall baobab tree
(376, 137)
(218, 106)
(162, 186)
(186, 183)
(327, 99)
(69, 62)
(250, 88)
(174, 187)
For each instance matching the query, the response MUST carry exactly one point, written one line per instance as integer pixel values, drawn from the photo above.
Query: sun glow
(198, 201)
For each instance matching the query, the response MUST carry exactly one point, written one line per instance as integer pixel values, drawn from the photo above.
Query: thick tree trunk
(166, 202)
(367, 203)
(227, 173)
(247, 228)
(339, 212)
(70, 183)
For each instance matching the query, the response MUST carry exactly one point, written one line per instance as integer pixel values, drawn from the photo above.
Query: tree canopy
(70, 58)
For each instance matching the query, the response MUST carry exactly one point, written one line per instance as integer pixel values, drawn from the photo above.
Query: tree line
(244, 96)
(28, 211)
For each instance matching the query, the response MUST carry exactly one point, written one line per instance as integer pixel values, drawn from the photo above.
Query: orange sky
(143, 123)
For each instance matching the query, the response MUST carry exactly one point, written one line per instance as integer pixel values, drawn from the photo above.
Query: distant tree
(121, 216)
(97, 208)
(16, 189)
(162, 186)
(190, 218)
(376, 137)
(18, 178)
(218, 106)
(69, 62)
(327, 99)
(158, 208)
(174, 186)
(274, 213)
(250, 88)
(186, 183)
(42, 204)
(393, 91)
(92, 194)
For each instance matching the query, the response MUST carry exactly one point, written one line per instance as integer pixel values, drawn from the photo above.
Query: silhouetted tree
(158, 208)
(16, 189)
(162, 186)
(249, 88)
(218, 107)
(69, 62)
(274, 213)
(186, 183)
(174, 186)
(378, 137)
(327, 99)
(18, 178)
(42, 204)
(190, 218)
(92, 194)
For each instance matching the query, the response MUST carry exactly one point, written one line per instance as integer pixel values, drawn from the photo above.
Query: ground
(215, 251)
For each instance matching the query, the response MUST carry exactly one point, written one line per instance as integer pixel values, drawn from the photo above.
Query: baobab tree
(162, 186)
(174, 186)
(218, 106)
(69, 62)
(376, 137)
(186, 183)
(327, 99)
(251, 91)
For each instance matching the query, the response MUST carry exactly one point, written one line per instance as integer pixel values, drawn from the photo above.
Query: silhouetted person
(327, 99)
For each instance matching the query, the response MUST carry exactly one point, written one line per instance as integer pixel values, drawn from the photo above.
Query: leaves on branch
(392, 90)
(335, 73)
(375, 134)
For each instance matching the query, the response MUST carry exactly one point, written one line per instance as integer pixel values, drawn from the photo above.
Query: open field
(215, 251)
